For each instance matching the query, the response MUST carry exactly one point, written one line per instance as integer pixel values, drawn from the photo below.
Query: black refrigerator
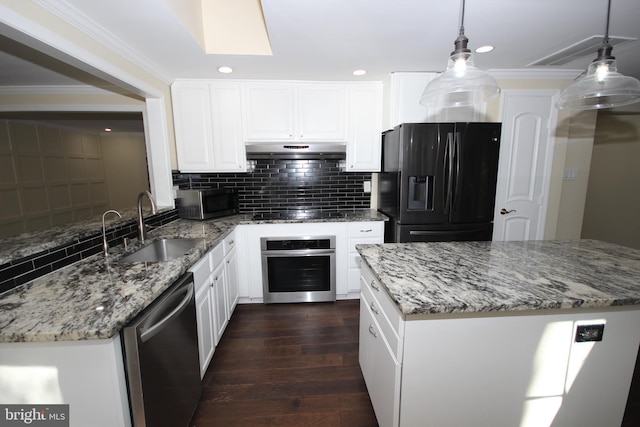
(438, 181)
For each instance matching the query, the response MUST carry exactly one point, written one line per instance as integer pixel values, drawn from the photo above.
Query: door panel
(525, 164)
(476, 152)
(424, 172)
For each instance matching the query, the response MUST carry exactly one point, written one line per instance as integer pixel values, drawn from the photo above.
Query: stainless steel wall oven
(298, 269)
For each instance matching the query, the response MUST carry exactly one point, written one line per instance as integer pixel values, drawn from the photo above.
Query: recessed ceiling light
(359, 72)
(485, 49)
(107, 129)
(225, 70)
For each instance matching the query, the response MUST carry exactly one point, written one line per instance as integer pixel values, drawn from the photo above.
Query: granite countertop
(474, 277)
(94, 298)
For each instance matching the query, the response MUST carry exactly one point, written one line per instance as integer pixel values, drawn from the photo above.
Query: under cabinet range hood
(296, 150)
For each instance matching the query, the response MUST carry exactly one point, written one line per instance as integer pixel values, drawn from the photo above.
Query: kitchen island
(499, 333)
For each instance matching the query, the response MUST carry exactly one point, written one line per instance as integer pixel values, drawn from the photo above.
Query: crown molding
(82, 22)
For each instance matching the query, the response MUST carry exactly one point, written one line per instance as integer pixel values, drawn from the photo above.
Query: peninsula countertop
(475, 277)
(94, 298)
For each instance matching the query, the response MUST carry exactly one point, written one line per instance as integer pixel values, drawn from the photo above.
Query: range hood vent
(296, 151)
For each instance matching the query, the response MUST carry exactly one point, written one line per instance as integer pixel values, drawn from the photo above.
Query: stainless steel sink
(162, 250)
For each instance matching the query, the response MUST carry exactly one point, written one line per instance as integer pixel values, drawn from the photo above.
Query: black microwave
(207, 203)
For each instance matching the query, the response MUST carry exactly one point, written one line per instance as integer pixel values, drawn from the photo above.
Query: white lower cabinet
(206, 338)
(360, 233)
(380, 368)
(219, 301)
(216, 289)
(204, 312)
(232, 277)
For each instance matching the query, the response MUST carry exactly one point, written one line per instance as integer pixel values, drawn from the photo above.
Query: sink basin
(162, 250)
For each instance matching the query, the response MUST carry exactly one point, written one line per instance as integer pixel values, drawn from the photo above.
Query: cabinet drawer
(362, 241)
(367, 229)
(201, 271)
(229, 242)
(217, 255)
(383, 300)
(384, 324)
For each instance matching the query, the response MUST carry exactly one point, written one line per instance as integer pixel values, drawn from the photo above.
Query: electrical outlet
(367, 187)
(586, 333)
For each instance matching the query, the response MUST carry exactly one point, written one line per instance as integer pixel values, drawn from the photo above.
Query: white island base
(503, 369)
(86, 375)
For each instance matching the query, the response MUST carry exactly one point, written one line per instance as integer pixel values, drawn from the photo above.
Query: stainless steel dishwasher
(161, 359)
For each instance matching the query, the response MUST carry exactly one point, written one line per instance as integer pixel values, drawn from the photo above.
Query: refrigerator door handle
(448, 171)
(455, 163)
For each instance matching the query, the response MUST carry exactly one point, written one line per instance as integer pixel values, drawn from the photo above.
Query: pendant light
(602, 86)
(462, 84)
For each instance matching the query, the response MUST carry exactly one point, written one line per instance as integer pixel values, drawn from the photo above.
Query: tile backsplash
(281, 185)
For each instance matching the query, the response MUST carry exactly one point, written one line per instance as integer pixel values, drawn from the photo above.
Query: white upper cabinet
(193, 126)
(208, 126)
(295, 112)
(226, 112)
(322, 112)
(268, 112)
(365, 128)
(214, 118)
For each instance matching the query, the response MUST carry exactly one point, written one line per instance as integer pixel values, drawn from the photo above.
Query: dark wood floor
(297, 365)
(287, 365)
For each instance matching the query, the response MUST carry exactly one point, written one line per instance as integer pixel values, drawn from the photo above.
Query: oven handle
(299, 252)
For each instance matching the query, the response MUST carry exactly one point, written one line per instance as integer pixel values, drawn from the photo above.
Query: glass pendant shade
(602, 87)
(462, 84)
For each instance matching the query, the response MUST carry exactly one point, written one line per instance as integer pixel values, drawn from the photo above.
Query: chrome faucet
(105, 245)
(142, 234)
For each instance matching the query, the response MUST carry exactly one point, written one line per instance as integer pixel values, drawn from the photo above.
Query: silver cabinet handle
(367, 231)
(373, 331)
(374, 286)
(373, 308)
(231, 242)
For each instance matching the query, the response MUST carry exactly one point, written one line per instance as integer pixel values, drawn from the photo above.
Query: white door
(524, 171)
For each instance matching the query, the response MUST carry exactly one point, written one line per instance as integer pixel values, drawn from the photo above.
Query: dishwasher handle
(148, 333)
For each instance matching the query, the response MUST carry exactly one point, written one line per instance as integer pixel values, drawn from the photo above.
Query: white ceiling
(328, 39)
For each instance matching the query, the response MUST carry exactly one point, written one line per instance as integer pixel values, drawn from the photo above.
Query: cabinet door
(369, 232)
(268, 114)
(321, 112)
(380, 369)
(226, 112)
(365, 128)
(193, 126)
(206, 338)
(231, 276)
(219, 301)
